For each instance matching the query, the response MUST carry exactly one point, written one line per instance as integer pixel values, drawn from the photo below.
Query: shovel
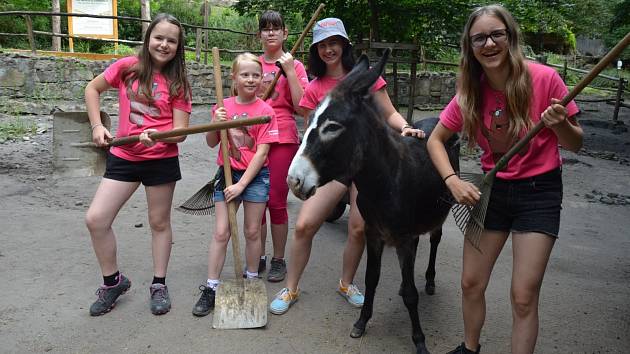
(74, 155)
(239, 303)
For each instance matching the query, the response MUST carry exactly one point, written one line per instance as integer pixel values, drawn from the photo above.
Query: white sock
(213, 283)
(251, 275)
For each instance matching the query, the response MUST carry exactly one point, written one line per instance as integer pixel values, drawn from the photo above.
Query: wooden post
(395, 74)
(31, 36)
(198, 45)
(56, 26)
(145, 14)
(412, 86)
(564, 70)
(618, 100)
(206, 14)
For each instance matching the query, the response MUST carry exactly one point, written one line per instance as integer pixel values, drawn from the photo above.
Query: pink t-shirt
(261, 133)
(541, 154)
(136, 114)
(280, 99)
(319, 88)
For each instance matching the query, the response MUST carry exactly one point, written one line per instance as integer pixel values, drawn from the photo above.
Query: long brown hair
(517, 87)
(174, 71)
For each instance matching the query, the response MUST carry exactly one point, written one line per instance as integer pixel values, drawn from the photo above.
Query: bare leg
(263, 238)
(356, 241)
(477, 267)
(218, 244)
(110, 196)
(253, 216)
(531, 254)
(311, 216)
(160, 201)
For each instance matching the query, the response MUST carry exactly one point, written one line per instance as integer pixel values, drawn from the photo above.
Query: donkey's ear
(380, 67)
(362, 78)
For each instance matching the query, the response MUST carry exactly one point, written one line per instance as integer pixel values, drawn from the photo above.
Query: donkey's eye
(332, 127)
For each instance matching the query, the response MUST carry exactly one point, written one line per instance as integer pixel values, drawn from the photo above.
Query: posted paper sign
(92, 26)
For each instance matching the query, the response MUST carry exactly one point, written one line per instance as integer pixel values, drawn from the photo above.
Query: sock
(111, 280)
(158, 280)
(251, 275)
(212, 283)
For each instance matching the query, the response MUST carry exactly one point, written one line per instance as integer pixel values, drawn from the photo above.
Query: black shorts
(526, 205)
(149, 172)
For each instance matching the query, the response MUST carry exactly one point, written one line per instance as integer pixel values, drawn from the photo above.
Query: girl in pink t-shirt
(330, 59)
(500, 96)
(154, 95)
(249, 172)
(284, 100)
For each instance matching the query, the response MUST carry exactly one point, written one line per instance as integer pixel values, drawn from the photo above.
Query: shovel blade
(70, 159)
(240, 304)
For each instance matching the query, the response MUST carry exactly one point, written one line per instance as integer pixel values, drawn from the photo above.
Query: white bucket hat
(328, 27)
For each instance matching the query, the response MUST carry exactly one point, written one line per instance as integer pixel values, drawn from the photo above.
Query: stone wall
(48, 79)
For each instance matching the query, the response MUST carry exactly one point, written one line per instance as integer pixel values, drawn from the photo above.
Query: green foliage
(16, 128)
(619, 27)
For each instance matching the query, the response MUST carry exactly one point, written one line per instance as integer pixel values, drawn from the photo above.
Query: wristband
(97, 125)
(447, 177)
(405, 126)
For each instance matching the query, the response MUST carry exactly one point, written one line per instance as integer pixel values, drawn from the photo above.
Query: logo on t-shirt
(498, 138)
(240, 136)
(140, 106)
(266, 82)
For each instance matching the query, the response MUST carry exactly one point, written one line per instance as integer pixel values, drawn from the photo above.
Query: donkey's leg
(373, 272)
(436, 237)
(407, 259)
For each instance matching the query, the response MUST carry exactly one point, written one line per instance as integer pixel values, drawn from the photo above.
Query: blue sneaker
(351, 293)
(283, 300)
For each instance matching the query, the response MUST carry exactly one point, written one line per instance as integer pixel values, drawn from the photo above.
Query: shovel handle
(227, 170)
(201, 128)
(603, 63)
(297, 45)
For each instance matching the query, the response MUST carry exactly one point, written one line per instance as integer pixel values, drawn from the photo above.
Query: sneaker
(107, 296)
(160, 301)
(351, 293)
(205, 303)
(461, 349)
(262, 264)
(283, 300)
(278, 270)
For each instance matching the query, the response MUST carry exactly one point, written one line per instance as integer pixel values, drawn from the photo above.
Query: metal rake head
(470, 220)
(201, 203)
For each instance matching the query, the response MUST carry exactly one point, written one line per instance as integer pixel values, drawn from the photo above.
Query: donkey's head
(340, 128)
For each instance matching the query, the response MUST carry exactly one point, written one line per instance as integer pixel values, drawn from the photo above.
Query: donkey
(401, 195)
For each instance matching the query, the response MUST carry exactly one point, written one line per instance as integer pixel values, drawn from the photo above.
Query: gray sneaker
(160, 301)
(107, 296)
(278, 270)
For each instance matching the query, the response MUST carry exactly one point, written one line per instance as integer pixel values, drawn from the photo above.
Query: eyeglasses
(271, 30)
(480, 40)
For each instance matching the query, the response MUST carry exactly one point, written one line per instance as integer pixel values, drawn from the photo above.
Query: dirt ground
(49, 273)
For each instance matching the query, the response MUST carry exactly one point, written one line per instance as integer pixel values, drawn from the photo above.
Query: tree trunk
(56, 26)
(145, 14)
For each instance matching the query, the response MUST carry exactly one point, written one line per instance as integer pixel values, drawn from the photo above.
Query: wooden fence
(415, 53)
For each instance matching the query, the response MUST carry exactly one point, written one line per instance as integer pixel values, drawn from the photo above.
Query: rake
(470, 220)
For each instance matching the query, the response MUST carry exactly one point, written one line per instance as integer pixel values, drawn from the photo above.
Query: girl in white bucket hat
(330, 60)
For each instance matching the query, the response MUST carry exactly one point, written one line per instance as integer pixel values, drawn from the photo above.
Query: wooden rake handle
(227, 171)
(603, 63)
(201, 128)
(297, 44)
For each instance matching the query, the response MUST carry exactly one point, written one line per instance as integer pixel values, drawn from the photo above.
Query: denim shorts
(526, 205)
(149, 172)
(257, 191)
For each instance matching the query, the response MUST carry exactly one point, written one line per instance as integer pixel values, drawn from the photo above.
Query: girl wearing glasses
(284, 100)
(500, 97)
